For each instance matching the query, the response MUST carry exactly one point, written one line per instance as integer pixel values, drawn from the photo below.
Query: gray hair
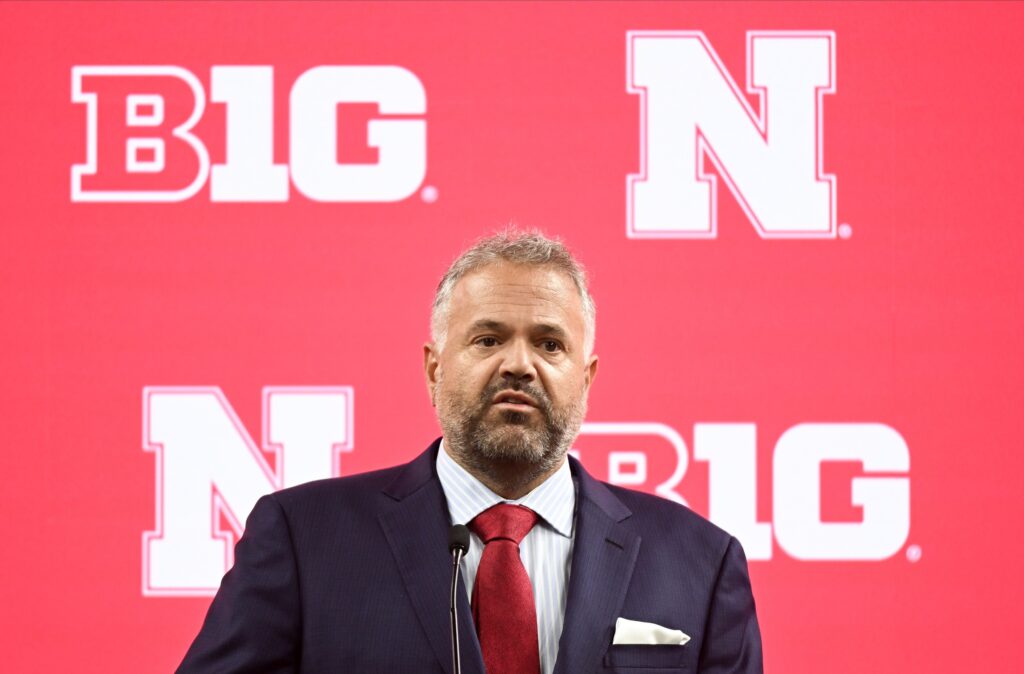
(510, 245)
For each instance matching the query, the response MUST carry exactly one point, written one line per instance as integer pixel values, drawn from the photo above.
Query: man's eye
(551, 346)
(487, 341)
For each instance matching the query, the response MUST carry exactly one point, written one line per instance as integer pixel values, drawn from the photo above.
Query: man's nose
(517, 362)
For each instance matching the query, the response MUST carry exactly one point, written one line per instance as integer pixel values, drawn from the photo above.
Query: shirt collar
(553, 500)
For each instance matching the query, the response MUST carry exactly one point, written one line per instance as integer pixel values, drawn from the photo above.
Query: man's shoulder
(347, 506)
(349, 488)
(362, 488)
(664, 521)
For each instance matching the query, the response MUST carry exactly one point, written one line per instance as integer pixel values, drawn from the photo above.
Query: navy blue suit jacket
(352, 575)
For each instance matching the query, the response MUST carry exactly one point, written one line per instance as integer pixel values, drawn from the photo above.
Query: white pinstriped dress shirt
(546, 551)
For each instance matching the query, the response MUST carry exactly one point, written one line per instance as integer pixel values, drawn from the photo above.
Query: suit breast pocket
(649, 659)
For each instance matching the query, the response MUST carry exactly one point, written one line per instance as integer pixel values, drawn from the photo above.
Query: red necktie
(503, 609)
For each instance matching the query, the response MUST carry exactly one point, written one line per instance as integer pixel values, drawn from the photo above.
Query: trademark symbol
(845, 231)
(429, 194)
(914, 554)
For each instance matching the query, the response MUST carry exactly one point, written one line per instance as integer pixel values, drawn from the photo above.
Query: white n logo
(207, 466)
(691, 108)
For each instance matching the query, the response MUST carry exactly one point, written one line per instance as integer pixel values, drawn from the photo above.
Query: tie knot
(504, 521)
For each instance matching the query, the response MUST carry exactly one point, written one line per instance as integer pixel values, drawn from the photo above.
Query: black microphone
(458, 545)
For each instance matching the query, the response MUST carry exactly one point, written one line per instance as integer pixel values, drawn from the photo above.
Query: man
(352, 574)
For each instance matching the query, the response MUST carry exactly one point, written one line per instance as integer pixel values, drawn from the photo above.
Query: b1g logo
(140, 144)
(210, 472)
(692, 109)
(654, 457)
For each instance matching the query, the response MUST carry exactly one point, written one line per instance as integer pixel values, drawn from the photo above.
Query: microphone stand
(456, 566)
(458, 545)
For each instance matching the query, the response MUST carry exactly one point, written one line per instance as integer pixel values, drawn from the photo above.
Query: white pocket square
(637, 632)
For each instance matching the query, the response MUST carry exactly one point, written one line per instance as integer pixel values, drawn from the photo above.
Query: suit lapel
(604, 553)
(416, 528)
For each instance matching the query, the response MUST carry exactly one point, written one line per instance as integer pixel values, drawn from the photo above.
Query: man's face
(510, 384)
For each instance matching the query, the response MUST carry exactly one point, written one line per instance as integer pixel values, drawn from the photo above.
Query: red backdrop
(902, 316)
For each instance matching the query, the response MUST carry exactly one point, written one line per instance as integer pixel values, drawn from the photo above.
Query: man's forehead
(539, 326)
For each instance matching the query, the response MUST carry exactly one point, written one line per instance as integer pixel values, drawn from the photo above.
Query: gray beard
(511, 451)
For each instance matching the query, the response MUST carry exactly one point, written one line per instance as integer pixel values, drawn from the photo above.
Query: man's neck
(510, 480)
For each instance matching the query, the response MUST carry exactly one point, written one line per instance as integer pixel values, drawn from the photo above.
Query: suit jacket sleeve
(253, 624)
(733, 642)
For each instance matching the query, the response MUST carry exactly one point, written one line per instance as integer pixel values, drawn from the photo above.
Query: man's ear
(430, 369)
(590, 372)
